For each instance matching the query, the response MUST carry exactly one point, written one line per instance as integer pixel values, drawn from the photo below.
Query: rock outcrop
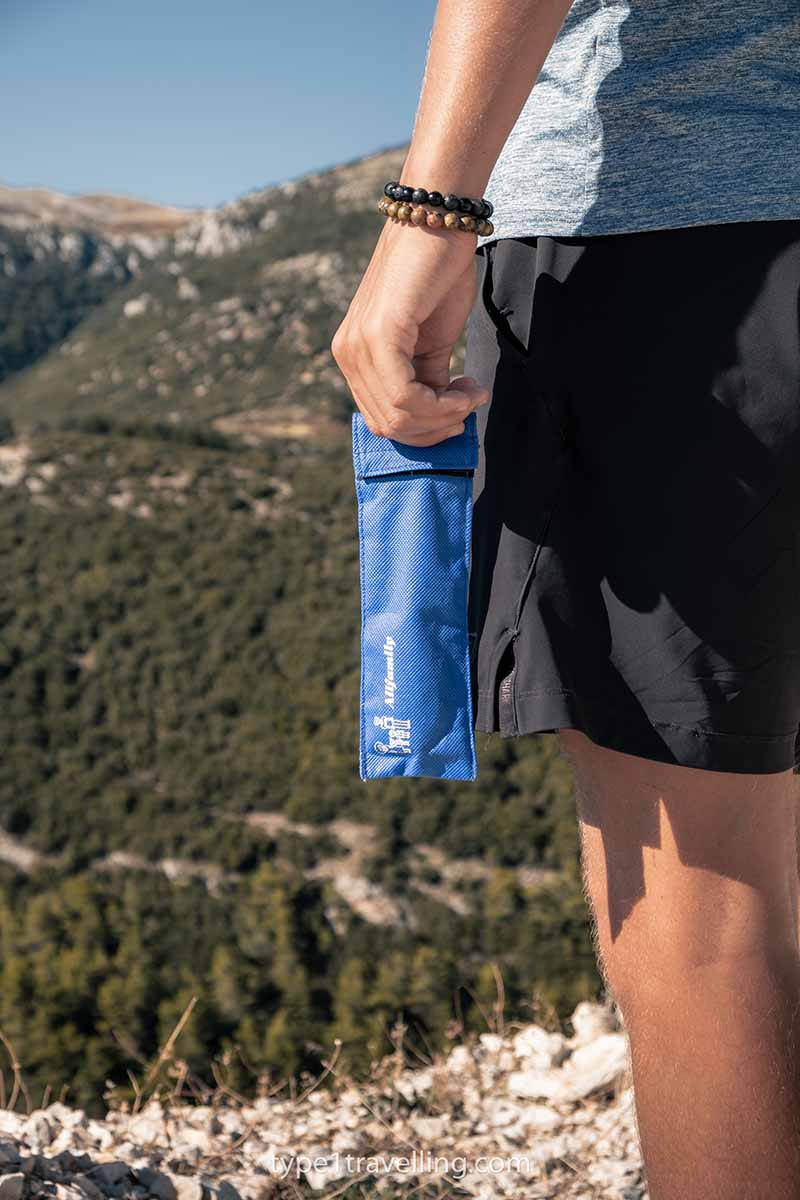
(530, 1113)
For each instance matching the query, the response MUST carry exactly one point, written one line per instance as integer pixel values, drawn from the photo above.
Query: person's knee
(687, 877)
(670, 944)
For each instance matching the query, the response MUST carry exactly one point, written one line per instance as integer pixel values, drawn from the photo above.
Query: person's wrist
(443, 174)
(452, 241)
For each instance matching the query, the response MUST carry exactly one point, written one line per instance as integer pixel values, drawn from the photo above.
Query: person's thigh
(687, 871)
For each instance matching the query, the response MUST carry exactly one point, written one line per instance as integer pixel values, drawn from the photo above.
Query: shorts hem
(666, 742)
(554, 223)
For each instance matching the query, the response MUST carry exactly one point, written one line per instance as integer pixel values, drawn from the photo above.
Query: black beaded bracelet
(461, 204)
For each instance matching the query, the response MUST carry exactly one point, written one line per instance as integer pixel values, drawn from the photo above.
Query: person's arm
(396, 340)
(483, 59)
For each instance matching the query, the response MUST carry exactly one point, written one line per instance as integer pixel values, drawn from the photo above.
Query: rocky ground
(531, 1113)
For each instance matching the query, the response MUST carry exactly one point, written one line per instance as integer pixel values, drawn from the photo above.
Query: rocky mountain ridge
(29, 207)
(252, 289)
(208, 232)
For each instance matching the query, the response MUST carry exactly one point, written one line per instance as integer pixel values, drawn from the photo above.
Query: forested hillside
(180, 809)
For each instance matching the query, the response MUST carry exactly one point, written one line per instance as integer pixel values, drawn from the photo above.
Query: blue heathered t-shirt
(654, 114)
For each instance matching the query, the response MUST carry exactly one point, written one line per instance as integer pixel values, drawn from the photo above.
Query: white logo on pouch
(399, 736)
(389, 683)
(398, 732)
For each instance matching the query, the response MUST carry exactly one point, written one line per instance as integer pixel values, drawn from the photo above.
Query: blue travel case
(414, 529)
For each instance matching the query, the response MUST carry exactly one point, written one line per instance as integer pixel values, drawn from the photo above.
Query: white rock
(350, 1117)
(57, 1112)
(514, 1118)
(412, 1084)
(147, 1131)
(499, 1113)
(539, 1116)
(423, 1081)
(194, 1137)
(429, 1128)
(459, 1059)
(188, 1154)
(535, 1084)
(38, 1129)
(99, 1134)
(599, 1064)
(590, 1020)
(540, 1049)
(126, 1150)
(137, 306)
(187, 290)
(343, 1142)
(320, 1170)
(230, 1120)
(187, 1187)
(491, 1042)
(610, 1173)
(154, 1109)
(67, 1139)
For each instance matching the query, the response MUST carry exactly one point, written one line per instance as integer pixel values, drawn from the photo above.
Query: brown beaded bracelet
(419, 214)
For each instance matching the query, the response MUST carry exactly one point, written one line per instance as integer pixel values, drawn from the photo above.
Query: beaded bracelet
(460, 204)
(418, 214)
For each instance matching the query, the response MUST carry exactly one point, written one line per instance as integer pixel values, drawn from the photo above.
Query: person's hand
(396, 340)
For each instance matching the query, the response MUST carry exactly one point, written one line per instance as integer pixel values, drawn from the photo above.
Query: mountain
(34, 207)
(61, 256)
(236, 308)
(180, 808)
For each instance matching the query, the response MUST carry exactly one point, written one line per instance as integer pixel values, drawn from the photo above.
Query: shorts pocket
(507, 292)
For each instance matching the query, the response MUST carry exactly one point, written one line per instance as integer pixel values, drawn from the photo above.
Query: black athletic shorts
(635, 567)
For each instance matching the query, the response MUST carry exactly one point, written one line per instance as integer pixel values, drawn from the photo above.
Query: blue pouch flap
(374, 455)
(414, 527)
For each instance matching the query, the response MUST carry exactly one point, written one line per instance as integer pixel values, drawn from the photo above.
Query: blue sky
(196, 102)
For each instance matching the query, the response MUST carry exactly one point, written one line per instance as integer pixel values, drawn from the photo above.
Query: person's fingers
(399, 397)
(394, 402)
(468, 385)
(448, 433)
(433, 368)
(411, 408)
(432, 439)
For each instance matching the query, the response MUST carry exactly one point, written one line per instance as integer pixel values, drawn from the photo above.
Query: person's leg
(797, 833)
(691, 876)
